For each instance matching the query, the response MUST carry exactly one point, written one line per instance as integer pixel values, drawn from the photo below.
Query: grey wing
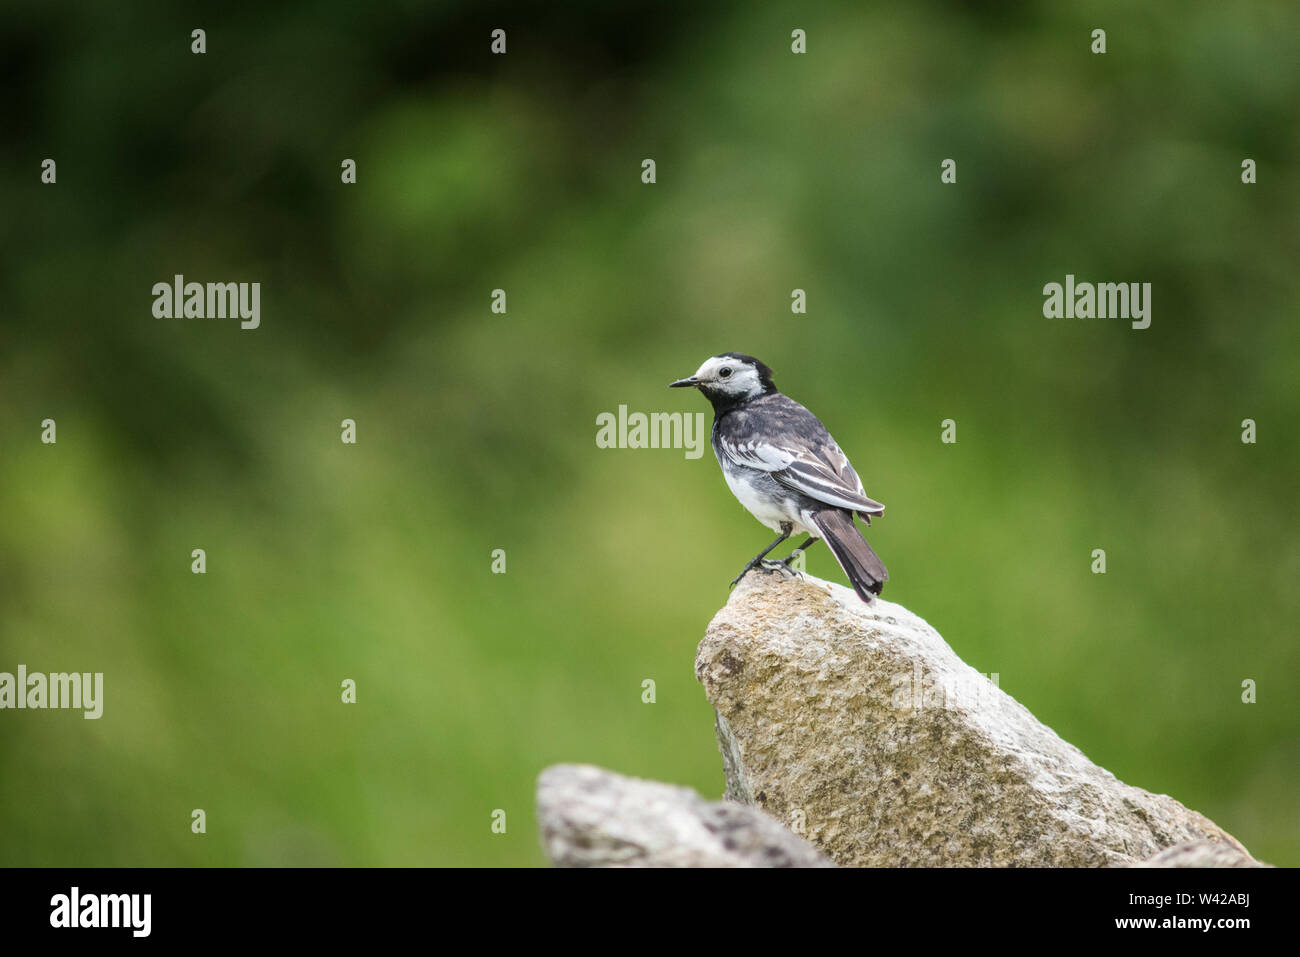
(829, 478)
(800, 454)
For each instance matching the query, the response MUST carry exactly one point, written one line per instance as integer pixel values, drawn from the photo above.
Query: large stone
(590, 817)
(833, 713)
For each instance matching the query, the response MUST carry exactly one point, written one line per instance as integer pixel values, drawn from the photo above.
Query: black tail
(863, 566)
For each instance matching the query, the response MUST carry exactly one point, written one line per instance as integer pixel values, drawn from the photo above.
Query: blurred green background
(477, 431)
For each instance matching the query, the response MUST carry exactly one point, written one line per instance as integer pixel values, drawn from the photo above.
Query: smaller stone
(590, 817)
(1201, 854)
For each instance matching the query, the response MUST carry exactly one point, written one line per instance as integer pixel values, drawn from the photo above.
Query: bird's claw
(773, 563)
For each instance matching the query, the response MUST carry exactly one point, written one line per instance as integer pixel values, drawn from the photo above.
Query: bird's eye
(725, 373)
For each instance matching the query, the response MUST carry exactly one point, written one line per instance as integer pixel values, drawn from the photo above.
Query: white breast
(754, 490)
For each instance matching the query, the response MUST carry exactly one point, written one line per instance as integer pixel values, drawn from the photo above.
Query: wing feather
(817, 481)
(800, 454)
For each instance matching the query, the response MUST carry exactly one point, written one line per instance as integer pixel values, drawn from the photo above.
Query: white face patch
(728, 376)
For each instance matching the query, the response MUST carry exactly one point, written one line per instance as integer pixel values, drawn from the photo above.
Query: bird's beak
(684, 383)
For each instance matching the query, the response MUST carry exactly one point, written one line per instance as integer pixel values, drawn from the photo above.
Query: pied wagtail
(784, 467)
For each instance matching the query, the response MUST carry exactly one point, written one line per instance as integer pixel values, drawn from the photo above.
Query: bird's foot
(771, 563)
(743, 572)
(788, 565)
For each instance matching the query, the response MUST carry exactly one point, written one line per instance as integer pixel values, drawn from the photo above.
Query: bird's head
(730, 377)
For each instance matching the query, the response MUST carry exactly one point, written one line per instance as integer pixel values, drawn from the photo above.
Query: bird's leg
(786, 528)
(799, 549)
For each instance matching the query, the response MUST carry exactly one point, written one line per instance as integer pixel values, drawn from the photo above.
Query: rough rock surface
(591, 817)
(833, 713)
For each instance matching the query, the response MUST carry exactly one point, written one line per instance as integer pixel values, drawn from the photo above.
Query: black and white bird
(784, 467)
